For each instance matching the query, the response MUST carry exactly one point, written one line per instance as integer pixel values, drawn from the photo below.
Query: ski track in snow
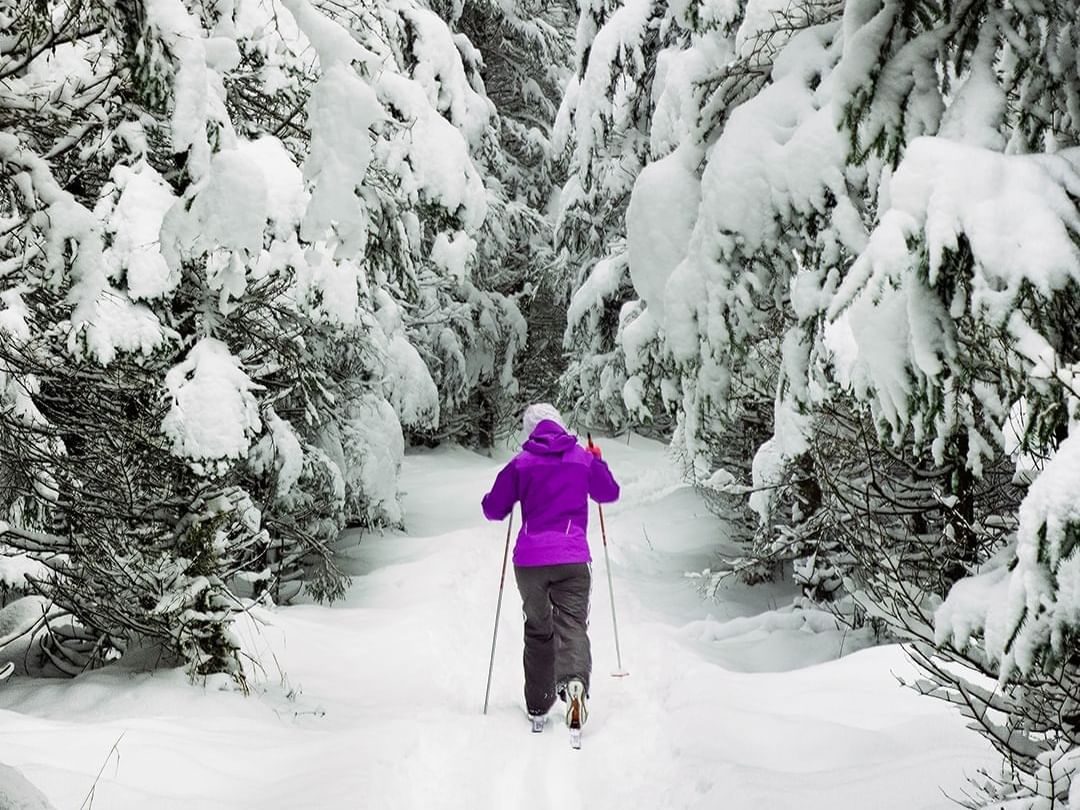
(376, 702)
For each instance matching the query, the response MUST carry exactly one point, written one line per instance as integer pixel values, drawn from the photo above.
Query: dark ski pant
(555, 600)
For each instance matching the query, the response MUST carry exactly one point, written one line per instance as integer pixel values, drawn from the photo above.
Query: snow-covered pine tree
(470, 232)
(946, 318)
(126, 497)
(522, 58)
(603, 126)
(211, 306)
(735, 204)
(832, 235)
(786, 197)
(525, 49)
(996, 272)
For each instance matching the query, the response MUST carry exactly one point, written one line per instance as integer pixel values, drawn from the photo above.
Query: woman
(553, 478)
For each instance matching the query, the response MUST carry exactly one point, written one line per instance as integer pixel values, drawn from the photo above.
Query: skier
(553, 478)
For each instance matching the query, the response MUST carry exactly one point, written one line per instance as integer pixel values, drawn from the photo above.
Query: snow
(17, 793)
(869, 343)
(452, 254)
(708, 12)
(659, 221)
(272, 32)
(780, 152)
(620, 38)
(279, 448)
(407, 382)
(224, 219)
(335, 46)
(603, 282)
(411, 390)
(68, 221)
(975, 115)
(638, 331)
(135, 224)
(866, 28)
(195, 101)
(377, 701)
(213, 413)
(15, 567)
(430, 155)
(286, 198)
(120, 325)
(778, 161)
(222, 53)
(1035, 606)
(373, 446)
(439, 70)
(973, 604)
(758, 17)
(341, 111)
(766, 472)
(60, 70)
(893, 319)
(327, 288)
(18, 390)
(675, 111)
(1002, 204)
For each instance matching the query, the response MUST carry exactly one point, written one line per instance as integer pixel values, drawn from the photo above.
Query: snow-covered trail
(377, 702)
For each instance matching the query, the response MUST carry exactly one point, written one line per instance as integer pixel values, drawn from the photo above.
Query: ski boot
(576, 712)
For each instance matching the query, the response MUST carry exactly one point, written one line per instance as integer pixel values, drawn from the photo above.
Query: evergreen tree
(603, 126)
(525, 50)
(241, 260)
(879, 268)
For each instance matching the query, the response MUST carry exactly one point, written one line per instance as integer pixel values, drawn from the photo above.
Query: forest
(253, 253)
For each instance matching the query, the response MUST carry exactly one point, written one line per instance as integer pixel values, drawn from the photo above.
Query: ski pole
(498, 607)
(621, 673)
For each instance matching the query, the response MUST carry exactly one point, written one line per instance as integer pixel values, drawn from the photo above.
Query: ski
(576, 714)
(6, 670)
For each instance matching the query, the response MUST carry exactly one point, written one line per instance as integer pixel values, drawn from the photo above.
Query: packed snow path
(376, 702)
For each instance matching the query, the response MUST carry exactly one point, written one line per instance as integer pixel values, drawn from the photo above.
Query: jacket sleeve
(602, 485)
(500, 501)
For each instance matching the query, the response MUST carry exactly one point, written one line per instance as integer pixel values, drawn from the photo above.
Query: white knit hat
(537, 413)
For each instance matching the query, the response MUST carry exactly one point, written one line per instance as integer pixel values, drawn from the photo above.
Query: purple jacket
(553, 478)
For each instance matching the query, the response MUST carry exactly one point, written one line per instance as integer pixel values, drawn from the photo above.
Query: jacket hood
(537, 413)
(549, 438)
